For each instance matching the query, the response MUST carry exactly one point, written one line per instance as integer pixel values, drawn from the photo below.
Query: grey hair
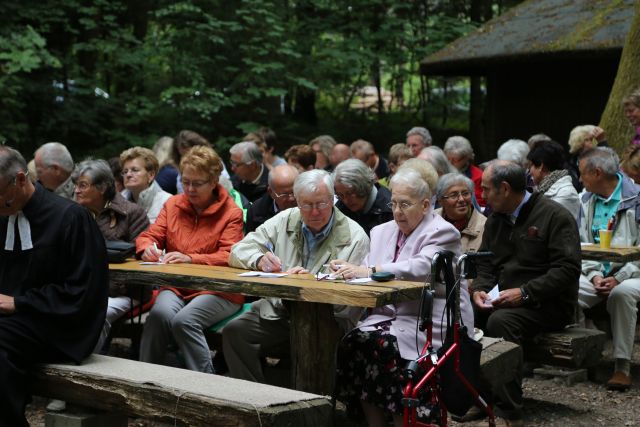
(514, 150)
(325, 143)
(413, 181)
(460, 146)
(603, 158)
(423, 132)
(449, 180)
(510, 172)
(249, 151)
(365, 146)
(438, 160)
(100, 175)
(11, 162)
(356, 175)
(56, 154)
(308, 182)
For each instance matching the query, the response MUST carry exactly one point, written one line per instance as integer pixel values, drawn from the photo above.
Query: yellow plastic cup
(605, 238)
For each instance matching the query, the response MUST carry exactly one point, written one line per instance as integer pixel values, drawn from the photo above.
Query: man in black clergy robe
(53, 282)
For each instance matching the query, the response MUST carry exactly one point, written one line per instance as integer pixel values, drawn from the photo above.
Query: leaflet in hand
(261, 274)
(492, 295)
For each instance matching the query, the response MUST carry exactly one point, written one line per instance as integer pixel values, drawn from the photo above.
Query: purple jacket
(414, 263)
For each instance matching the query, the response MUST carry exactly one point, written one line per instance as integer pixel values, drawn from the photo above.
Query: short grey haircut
(412, 180)
(11, 162)
(56, 154)
(602, 158)
(514, 150)
(423, 132)
(325, 143)
(249, 151)
(510, 172)
(356, 175)
(438, 160)
(309, 182)
(459, 145)
(449, 180)
(100, 174)
(365, 146)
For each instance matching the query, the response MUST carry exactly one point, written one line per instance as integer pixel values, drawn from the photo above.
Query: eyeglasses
(236, 164)
(343, 196)
(456, 195)
(134, 171)
(403, 206)
(193, 184)
(82, 185)
(283, 195)
(310, 206)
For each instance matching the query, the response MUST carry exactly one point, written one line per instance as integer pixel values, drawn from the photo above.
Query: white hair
(308, 182)
(514, 150)
(56, 154)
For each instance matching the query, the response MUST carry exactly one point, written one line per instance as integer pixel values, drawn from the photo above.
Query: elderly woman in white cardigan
(388, 338)
(139, 169)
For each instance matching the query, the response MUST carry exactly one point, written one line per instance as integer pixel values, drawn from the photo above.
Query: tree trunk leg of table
(314, 336)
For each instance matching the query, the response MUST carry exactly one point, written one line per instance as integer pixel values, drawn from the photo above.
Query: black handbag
(118, 251)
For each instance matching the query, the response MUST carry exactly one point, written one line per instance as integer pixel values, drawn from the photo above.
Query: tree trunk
(619, 131)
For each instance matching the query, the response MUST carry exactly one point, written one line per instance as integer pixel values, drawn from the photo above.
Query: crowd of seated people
(364, 212)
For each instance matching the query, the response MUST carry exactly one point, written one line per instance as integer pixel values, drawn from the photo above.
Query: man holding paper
(298, 240)
(611, 201)
(536, 266)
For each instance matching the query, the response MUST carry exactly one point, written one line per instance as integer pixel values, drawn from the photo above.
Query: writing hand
(151, 254)
(269, 263)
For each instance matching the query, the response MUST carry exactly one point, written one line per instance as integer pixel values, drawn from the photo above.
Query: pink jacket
(414, 263)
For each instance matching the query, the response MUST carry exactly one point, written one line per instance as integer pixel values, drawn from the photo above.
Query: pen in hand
(161, 256)
(274, 260)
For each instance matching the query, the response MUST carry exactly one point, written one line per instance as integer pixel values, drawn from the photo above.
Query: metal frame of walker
(428, 359)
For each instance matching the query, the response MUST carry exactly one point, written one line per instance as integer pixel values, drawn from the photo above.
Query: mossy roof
(538, 28)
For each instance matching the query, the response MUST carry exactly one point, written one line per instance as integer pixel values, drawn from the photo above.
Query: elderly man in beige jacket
(298, 240)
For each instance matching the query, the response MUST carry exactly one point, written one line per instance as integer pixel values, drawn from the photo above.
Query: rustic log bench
(178, 396)
(572, 347)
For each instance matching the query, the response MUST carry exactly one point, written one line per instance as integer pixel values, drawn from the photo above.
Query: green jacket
(347, 241)
(540, 252)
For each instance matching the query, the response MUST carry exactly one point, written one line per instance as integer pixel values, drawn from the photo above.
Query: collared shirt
(257, 180)
(371, 200)
(515, 213)
(605, 209)
(312, 241)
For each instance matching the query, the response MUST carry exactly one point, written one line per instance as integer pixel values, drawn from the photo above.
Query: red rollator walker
(434, 363)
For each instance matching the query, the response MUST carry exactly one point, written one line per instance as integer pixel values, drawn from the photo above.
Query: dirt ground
(548, 402)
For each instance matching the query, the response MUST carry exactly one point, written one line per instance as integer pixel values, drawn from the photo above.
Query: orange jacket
(207, 238)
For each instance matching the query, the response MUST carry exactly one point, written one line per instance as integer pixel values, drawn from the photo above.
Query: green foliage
(101, 75)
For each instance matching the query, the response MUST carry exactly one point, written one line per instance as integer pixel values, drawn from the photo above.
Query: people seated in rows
(438, 159)
(297, 240)
(460, 154)
(418, 138)
(339, 153)
(53, 292)
(536, 265)
(199, 226)
(167, 176)
(279, 197)
(454, 193)
(302, 157)
(250, 175)
(54, 165)
(398, 154)
(266, 140)
(631, 105)
(611, 201)
(388, 338)
(359, 196)
(139, 169)
(630, 162)
(547, 162)
(322, 145)
(366, 152)
(118, 219)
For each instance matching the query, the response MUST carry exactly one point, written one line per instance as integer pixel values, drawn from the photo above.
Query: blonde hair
(579, 135)
(147, 156)
(204, 159)
(424, 169)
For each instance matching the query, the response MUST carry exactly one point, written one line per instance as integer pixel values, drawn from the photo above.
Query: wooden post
(314, 336)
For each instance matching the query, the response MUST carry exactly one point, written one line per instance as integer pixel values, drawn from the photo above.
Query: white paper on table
(586, 244)
(152, 263)
(359, 280)
(262, 274)
(327, 276)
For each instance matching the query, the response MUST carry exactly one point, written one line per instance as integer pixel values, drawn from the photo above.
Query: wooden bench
(178, 396)
(577, 348)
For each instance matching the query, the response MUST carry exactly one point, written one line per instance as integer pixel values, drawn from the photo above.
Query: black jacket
(378, 214)
(260, 211)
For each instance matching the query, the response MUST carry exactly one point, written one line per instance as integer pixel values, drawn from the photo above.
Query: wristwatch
(524, 295)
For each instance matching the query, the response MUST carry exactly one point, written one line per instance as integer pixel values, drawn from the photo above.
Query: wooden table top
(299, 287)
(613, 254)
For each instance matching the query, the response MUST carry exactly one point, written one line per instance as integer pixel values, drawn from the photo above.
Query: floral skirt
(369, 368)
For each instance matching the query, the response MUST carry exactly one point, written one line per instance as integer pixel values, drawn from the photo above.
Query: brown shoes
(619, 381)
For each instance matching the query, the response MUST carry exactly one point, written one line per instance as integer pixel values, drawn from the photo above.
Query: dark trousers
(20, 348)
(516, 325)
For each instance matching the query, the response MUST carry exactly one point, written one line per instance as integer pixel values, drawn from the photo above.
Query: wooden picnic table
(613, 254)
(314, 333)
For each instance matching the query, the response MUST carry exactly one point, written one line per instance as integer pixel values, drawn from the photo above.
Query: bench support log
(570, 348)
